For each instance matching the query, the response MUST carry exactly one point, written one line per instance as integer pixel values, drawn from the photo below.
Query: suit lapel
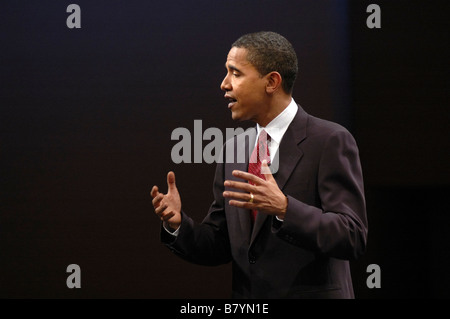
(289, 154)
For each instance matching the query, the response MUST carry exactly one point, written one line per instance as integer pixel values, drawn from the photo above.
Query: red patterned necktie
(260, 153)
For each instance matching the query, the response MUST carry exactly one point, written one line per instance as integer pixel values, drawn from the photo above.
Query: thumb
(171, 181)
(265, 170)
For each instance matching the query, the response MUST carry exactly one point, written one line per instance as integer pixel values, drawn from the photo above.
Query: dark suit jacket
(307, 255)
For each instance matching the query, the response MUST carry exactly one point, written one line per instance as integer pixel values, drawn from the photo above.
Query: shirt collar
(278, 126)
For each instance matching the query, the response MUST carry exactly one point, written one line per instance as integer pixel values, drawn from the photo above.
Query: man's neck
(277, 105)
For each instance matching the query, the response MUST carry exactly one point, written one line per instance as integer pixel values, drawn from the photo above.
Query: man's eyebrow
(232, 67)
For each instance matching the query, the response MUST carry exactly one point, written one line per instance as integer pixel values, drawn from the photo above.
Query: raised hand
(264, 196)
(168, 206)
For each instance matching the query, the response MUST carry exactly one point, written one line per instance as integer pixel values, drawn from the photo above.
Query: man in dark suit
(309, 204)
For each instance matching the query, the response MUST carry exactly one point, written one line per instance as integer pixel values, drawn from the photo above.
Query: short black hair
(268, 52)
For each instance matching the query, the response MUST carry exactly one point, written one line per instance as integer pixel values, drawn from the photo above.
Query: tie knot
(263, 137)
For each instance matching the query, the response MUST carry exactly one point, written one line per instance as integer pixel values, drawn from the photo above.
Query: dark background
(86, 117)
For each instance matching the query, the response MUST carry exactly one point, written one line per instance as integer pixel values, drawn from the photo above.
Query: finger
(160, 209)
(265, 170)
(158, 198)
(248, 176)
(165, 216)
(171, 181)
(164, 212)
(246, 187)
(154, 192)
(241, 204)
(246, 197)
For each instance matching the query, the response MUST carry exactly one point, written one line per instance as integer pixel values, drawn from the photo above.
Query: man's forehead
(237, 56)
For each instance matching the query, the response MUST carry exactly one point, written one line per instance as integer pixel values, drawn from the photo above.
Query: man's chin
(235, 116)
(239, 117)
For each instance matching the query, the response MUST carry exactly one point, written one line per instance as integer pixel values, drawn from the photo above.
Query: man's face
(244, 86)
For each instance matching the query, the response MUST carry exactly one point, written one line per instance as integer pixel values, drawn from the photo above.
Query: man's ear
(273, 82)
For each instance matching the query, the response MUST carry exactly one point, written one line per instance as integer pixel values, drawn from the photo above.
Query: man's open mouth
(231, 101)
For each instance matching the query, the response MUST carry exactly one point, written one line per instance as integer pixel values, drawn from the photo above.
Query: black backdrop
(86, 117)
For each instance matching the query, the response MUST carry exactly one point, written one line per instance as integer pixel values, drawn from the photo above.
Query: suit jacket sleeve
(339, 227)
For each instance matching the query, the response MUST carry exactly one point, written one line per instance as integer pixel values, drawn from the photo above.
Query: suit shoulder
(321, 127)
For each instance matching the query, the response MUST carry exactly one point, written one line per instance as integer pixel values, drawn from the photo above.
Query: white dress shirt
(277, 127)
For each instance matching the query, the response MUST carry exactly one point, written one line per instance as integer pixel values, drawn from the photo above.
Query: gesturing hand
(267, 196)
(168, 206)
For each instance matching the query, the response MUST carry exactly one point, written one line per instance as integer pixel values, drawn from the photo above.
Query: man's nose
(225, 85)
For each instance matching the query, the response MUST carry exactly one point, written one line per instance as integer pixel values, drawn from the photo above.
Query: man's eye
(236, 74)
